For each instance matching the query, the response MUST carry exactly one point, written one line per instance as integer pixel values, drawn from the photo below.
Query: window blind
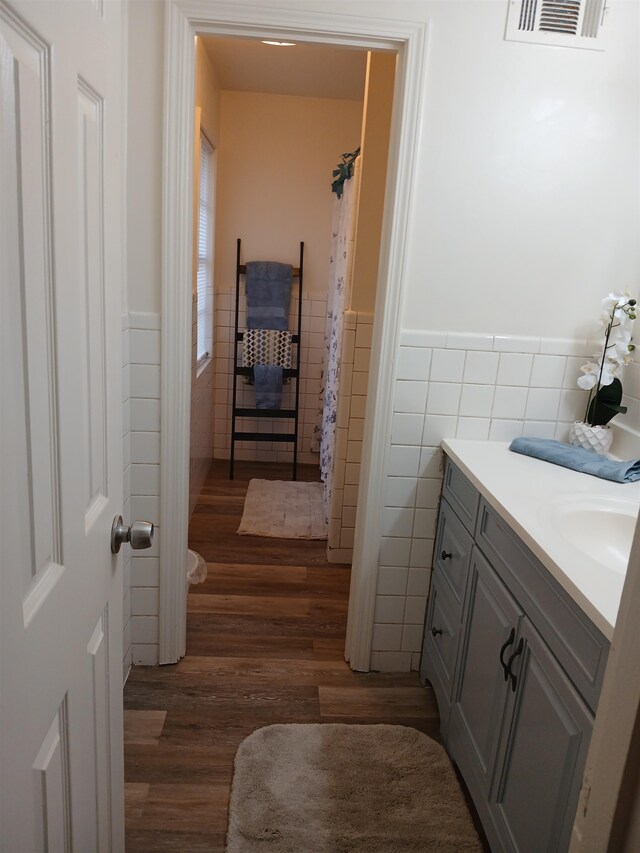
(204, 278)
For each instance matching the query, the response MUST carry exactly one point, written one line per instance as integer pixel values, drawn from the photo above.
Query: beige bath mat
(335, 788)
(284, 510)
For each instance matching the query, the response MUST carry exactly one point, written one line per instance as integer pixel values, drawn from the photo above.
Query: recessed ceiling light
(280, 43)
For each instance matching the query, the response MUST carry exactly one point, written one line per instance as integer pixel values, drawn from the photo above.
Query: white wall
(378, 110)
(526, 203)
(207, 95)
(144, 154)
(275, 160)
(141, 324)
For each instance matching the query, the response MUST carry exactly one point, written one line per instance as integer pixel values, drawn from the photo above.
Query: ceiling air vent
(564, 23)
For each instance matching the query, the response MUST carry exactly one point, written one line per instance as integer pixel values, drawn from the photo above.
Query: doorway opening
(281, 122)
(409, 40)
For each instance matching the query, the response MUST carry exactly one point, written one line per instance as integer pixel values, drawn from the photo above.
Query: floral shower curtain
(343, 229)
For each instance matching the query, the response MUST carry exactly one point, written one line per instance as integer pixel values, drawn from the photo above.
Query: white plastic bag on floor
(196, 567)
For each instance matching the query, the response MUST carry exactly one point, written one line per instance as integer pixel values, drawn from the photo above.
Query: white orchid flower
(590, 378)
(610, 302)
(621, 349)
(615, 300)
(618, 314)
(587, 382)
(617, 317)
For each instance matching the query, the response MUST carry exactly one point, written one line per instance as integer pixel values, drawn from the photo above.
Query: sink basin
(602, 528)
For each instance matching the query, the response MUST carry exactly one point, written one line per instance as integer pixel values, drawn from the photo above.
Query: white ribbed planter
(596, 438)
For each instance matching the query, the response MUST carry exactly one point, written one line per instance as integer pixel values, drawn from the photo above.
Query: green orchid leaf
(606, 404)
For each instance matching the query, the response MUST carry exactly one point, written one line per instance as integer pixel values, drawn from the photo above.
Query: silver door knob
(139, 535)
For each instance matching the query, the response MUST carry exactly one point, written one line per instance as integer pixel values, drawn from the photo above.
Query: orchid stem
(604, 353)
(610, 326)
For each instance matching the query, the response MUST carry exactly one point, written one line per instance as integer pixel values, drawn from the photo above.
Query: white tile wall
(354, 376)
(466, 386)
(314, 311)
(630, 422)
(631, 385)
(471, 386)
(126, 502)
(143, 478)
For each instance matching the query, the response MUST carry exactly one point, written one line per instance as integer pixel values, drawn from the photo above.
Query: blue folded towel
(577, 458)
(268, 295)
(267, 380)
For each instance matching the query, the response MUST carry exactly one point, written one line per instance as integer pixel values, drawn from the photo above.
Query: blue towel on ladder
(577, 458)
(267, 385)
(268, 295)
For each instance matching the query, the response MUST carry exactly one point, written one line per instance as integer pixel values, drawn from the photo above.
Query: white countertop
(527, 493)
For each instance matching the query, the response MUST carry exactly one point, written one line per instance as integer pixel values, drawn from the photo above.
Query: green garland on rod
(343, 172)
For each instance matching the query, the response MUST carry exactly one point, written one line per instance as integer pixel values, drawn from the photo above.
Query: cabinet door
(542, 753)
(452, 552)
(461, 494)
(440, 646)
(491, 623)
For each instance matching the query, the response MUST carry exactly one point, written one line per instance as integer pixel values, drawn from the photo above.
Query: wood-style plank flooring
(265, 641)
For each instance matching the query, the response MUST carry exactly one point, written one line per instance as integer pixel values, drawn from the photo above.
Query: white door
(61, 107)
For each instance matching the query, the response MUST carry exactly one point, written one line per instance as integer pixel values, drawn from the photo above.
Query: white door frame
(184, 19)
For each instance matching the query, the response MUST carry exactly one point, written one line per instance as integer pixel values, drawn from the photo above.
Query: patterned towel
(266, 346)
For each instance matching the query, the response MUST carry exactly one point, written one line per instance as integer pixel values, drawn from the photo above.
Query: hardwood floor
(265, 641)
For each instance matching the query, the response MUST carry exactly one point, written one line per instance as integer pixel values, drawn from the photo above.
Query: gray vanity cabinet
(518, 728)
(516, 668)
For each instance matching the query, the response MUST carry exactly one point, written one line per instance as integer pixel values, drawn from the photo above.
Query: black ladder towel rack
(292, 373)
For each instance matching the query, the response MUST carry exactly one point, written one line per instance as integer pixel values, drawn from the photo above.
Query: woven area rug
(284, 510)
(335, 788)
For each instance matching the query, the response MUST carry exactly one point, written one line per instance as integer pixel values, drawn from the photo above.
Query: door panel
(60, 588)
(98, 657)
(26, 113)
(91, 252)
(52, 816)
